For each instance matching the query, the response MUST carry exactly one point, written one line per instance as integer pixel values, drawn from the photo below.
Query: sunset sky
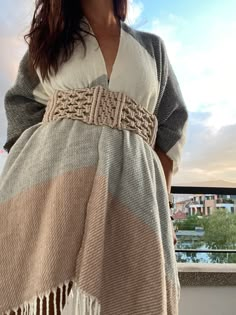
(200, 40)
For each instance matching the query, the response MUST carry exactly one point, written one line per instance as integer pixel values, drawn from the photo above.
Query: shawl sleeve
(24, 103)
(170, 110)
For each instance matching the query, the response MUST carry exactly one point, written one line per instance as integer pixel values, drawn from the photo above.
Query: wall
(208, 301)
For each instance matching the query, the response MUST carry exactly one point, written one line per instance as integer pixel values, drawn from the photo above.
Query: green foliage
(220, 230)
(190, 223)
(220, 233)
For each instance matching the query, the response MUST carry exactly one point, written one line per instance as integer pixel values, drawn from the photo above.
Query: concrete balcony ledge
(192, 274)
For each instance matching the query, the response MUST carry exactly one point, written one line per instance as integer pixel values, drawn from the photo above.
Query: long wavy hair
(55, 28)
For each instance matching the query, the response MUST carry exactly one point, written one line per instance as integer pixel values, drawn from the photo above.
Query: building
(206, 204)
(179, 215)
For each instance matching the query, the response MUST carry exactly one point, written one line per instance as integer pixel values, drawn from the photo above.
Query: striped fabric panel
(95, 219)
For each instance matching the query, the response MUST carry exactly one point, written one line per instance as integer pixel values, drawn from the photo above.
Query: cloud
(135, 9)
(205, 66)
(208, 155)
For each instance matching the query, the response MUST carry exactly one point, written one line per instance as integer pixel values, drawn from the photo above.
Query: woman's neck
(100, 13)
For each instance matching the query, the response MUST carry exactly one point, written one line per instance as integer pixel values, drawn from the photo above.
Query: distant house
(206, 204)
(179, 215)
(182, 206)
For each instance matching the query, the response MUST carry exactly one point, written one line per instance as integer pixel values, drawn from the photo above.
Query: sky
(200, 40)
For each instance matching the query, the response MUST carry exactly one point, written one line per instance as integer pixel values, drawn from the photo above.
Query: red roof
(179, 215)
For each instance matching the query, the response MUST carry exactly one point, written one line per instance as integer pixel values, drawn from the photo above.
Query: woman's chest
(109, 47)
(131, 69)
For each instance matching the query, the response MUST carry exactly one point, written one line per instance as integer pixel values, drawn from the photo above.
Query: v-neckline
(108, 79)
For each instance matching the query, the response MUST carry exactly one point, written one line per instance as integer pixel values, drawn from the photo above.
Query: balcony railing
(203, 190)
(218, 251)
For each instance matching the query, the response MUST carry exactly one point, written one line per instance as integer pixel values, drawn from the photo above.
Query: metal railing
(221, 251)
(203, 190)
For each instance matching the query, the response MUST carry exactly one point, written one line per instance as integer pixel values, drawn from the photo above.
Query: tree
(220, 233)
(190, 223)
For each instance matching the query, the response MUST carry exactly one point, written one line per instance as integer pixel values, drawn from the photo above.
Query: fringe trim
(83, 303)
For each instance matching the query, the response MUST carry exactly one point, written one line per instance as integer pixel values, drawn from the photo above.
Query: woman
(93, 139)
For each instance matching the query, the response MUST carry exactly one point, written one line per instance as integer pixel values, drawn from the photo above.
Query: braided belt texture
(100, 106)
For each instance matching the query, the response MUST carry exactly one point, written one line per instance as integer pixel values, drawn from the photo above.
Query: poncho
(84, 220)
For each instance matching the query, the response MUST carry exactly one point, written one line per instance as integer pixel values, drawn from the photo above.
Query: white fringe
(83, 304)
(61, 295)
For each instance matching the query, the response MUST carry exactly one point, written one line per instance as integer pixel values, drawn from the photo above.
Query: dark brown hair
(55, 27)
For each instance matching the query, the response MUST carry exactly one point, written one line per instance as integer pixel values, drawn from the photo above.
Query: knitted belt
(100, 106)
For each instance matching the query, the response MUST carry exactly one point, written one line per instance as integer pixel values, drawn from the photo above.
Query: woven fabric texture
(84, 220)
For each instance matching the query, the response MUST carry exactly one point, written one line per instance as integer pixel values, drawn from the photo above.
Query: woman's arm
(25, 102)
(171, 114)
(167, 165)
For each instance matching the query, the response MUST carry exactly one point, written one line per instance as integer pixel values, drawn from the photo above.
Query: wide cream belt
(100, 106)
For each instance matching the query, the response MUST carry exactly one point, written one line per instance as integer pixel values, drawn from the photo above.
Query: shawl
(84, 222)
(24, 109)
